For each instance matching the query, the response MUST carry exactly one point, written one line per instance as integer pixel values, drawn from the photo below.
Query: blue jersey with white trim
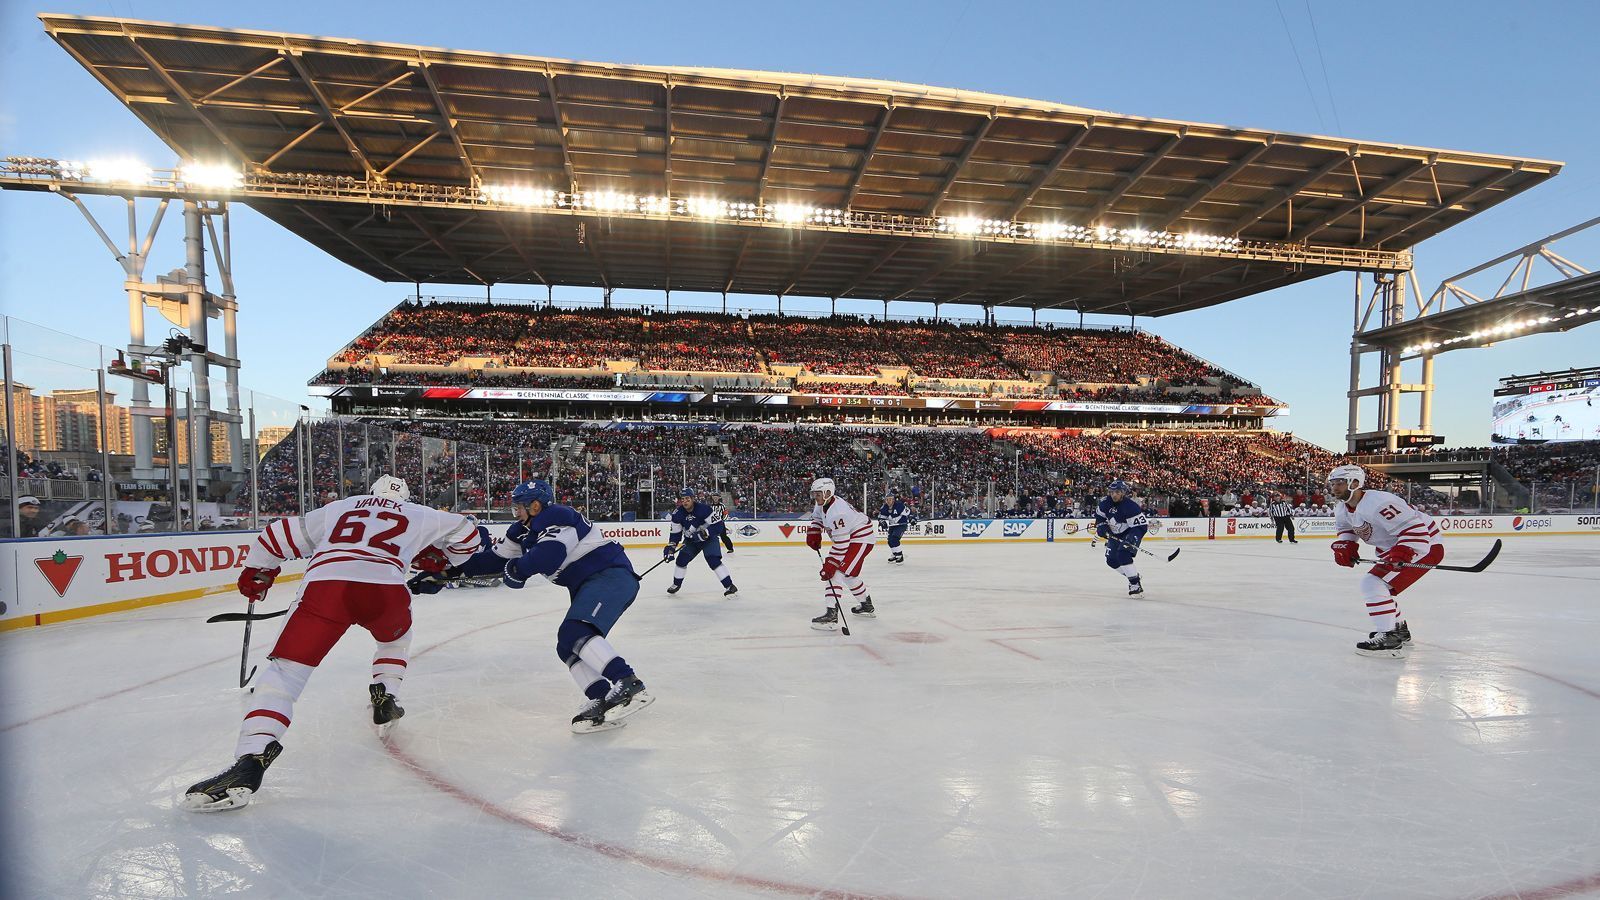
(698, 523)
(1125, 520)
(895, 515)
(558, 543)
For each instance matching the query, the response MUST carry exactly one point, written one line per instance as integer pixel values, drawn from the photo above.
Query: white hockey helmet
(1350, 474)
(390, 487)
(822, 484)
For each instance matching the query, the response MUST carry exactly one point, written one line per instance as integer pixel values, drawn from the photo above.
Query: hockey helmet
(527, 492)
(1350, 474)
(822, 485)
(391, 488)
(1118, 487)
(686, 492)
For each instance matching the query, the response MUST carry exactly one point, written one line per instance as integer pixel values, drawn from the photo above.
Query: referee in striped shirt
(1279, 511)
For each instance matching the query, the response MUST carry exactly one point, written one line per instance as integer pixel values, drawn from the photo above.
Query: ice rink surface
(1011, 725)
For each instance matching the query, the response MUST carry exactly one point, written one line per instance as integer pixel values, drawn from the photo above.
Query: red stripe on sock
(267, 713)
(392, 662)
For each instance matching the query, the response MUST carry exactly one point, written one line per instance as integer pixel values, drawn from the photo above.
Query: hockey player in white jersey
(851, 538)
(360, 549)
(1401, 534)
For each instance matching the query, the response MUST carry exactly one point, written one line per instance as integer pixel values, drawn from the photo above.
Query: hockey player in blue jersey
(560, 544)
(895, 516)
(1120, 521)
(694, 523)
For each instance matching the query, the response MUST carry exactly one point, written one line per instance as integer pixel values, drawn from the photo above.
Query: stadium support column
(194, 276)
(222, 252)
(1427, 394)
(1394, 313)
(1353, 422)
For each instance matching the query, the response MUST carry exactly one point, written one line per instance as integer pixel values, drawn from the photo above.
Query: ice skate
(235, 787)
(1405, 632)
(626, 697)
(591, 718)
(731, 590)
(864, 610)
(384, 709)
(828, 621)
(897, 558)
(1383, 643)
(676, 586)
(1135, 587)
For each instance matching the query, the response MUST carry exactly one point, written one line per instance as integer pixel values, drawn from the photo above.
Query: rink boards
(58, 579)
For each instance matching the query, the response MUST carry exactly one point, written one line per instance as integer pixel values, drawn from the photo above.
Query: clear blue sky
(1478, 76)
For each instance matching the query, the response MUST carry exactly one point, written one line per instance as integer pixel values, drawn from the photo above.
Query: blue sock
(727, 582)
(597, 690)
(617, 669)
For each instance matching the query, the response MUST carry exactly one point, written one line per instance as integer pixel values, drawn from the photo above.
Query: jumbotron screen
(1540, 410)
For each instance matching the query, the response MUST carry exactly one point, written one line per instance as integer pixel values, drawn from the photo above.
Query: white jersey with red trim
(843, 525)
(1383, 519)
(364, 538)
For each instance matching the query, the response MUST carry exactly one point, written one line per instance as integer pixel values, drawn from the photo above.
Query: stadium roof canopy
(441, 166)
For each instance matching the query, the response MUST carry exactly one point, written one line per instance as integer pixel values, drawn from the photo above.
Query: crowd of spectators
(999, 357)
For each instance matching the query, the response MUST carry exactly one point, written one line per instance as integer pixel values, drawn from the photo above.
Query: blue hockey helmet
(686, 492)
(1118, 487)
(525, 493)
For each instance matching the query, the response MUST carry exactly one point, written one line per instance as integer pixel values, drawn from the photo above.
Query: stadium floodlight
(828, 217)
(659, 206)
(607, 201)
(520, 195)
(789, 213)
(212, 175)
(960, 224)
(706, 207)
(121, 170)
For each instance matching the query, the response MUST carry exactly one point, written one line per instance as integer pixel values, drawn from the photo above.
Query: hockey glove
(425, 583)
(830, 568)
(668, 551)
(1102, 530)
(516, 532)
(1399, 554)
(1345, 553)
(512, 577)
(431, 560)
(702, 534)
(253, 582)
(814, 538)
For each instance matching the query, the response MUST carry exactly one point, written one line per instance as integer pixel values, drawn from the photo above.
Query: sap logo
(974, 527)
(1014, 527)
(749, 530)
(1518, 523)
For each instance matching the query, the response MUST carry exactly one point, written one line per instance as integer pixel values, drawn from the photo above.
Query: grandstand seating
(954, 469)
(448, 342)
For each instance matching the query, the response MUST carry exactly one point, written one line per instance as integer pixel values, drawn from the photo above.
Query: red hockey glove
(1398, 555)
(1345, 553)
(814, 538)
(431, 559)
(253, 582)
(830, 568)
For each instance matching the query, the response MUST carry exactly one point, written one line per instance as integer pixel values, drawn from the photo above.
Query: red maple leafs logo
(58, 569)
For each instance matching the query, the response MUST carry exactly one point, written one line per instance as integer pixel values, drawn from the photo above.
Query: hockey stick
(245, 616)
(244, 655)
(1170, 557)
(1478, 566)
(641, 575)
(844, 624)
